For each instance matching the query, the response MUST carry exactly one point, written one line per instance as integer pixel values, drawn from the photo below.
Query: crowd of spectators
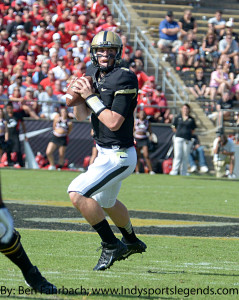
(44, 43)
(218, 51)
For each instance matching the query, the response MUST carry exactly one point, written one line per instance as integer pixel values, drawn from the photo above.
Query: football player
(111, 103)
(11, 247)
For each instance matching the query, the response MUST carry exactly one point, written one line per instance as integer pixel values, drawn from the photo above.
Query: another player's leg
(14, 251)
(120, 216)
(11, 247)
(112, 248)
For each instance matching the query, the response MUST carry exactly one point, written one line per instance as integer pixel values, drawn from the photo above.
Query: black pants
(14, 146)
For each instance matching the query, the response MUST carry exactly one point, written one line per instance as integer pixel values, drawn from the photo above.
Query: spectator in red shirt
(3, 66)
(149, 86)
(46, 32)
(83, 19)
(4, 40)
(49, 81)
(186, 54)
(35, 14)
(33, 39)
(4, 5)
(80, 7)
(10, 17)
(125, 45)
(57, 90)
(98, 8)
(109, 25)
(91, 29)
(101, 18)
(163, 115)
(26, 15)
(30, 65)
(73, 26)
(63, 17)
(79, 67)
(21, 36)
(74, 40)
(49, 5)
(62, 6)
(28, 82)
(137, 67)
(69, 59)
(146, 99)
(65, 36)
(56, 38)
(12, 55)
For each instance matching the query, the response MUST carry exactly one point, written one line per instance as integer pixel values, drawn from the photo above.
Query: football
(3, 230)
(73, 98)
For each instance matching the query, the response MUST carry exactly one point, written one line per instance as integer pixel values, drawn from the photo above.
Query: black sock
(15, 252)
(128, 233)
(105, 232)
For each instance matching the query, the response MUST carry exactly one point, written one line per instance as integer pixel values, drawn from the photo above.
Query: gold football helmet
(106, 39)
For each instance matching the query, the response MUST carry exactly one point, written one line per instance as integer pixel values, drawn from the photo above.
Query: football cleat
(133, 248)
(36, 281)
(110, 253)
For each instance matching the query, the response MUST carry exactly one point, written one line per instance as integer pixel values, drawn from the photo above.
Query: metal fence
(151, 55)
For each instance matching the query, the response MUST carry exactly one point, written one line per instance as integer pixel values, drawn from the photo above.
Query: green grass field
(172, 262)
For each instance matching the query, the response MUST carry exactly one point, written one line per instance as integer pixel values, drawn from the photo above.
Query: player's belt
(114, 147)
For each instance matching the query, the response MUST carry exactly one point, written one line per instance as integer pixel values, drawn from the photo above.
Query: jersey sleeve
(125, 85)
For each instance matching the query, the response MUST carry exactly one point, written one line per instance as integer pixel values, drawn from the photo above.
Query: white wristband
(95, 104)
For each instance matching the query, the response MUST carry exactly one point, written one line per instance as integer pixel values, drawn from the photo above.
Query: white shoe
(152, 173)
(51, 168)
(204, 169)
(231, 176)
(193, 169)
(227, 172)
(173, 173)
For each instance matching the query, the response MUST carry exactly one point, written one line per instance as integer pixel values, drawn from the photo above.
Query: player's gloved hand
(7, 220)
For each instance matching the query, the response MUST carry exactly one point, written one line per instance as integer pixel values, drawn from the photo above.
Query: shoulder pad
(123, 77)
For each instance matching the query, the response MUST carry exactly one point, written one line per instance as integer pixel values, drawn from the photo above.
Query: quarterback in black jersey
(111, 103)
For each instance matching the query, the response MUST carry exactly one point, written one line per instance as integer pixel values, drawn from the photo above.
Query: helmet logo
(105, 43)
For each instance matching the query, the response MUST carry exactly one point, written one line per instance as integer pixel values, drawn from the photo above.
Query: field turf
(190, 225)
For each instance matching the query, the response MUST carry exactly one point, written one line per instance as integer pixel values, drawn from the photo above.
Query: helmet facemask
(105, 39)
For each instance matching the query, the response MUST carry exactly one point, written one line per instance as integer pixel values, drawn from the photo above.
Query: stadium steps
(203, 123)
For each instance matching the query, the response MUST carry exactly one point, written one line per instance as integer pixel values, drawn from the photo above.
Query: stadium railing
(151, 55)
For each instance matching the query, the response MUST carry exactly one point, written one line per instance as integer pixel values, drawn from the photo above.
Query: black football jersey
(118, 91)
